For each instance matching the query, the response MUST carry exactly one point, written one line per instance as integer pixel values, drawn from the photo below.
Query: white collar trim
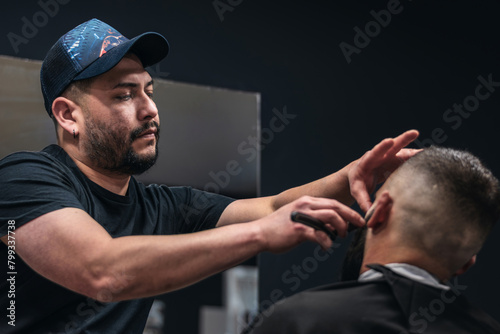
(407, 270)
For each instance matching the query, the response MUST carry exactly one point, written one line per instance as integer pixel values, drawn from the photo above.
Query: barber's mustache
(137, 132)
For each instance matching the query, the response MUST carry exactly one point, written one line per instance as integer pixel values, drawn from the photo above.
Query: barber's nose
(147, 108)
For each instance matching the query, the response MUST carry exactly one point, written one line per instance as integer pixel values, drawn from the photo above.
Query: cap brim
(150, 47)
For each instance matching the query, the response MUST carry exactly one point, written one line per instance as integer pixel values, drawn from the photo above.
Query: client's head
(435, 212)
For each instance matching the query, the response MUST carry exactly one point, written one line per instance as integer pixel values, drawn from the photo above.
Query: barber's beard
(111, 149)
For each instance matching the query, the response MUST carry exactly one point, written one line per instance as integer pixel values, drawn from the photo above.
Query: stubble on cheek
(112, 148)
(106, 147)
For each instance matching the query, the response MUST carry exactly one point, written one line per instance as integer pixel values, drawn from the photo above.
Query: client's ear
(466, 266)
(381, 210)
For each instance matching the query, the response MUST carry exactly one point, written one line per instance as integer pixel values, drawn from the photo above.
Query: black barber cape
(390, 305)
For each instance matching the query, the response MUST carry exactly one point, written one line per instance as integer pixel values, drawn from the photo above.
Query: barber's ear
(381, 210)
(466, 266)
(63, 110)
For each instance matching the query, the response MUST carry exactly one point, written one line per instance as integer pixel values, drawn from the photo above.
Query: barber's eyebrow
(132, 84)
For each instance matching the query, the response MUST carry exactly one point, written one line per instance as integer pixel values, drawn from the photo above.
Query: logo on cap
(91, 40)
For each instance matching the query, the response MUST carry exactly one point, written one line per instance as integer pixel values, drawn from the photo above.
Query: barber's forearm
(335, 186)
(142, 266)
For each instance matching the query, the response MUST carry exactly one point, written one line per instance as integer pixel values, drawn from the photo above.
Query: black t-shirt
(35, 183)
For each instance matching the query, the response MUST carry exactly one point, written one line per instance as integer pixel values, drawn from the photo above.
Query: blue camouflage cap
(91, 49)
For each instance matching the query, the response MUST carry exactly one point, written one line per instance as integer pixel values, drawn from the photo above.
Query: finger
(404, 139)
(328, 219)
(335, 221)
(363, 199)
(366, 205)
(350, 215)
(401, 141)
(321, 208)
(361, 195)
(407, 153)
(323, 240)
(378, 152)
(313, 235)
(390, 146)
(398, 144)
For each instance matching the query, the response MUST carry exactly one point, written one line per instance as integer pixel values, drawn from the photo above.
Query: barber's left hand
(376, 165)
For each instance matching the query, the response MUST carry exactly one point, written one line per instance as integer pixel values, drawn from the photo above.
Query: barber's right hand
(280, 233)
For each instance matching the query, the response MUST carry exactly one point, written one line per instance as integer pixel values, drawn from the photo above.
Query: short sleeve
(186, 210)
(33, 184)
(202, 210)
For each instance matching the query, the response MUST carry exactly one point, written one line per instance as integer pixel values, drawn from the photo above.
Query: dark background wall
(408, 74)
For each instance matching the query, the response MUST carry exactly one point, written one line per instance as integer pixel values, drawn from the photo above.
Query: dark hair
(353, 260)
(78, 87)
(452, 202)
(74, 92)
(472, 188)
(449, 204)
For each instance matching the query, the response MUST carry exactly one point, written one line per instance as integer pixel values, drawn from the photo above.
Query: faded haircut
(76, 89)
(455, 204)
